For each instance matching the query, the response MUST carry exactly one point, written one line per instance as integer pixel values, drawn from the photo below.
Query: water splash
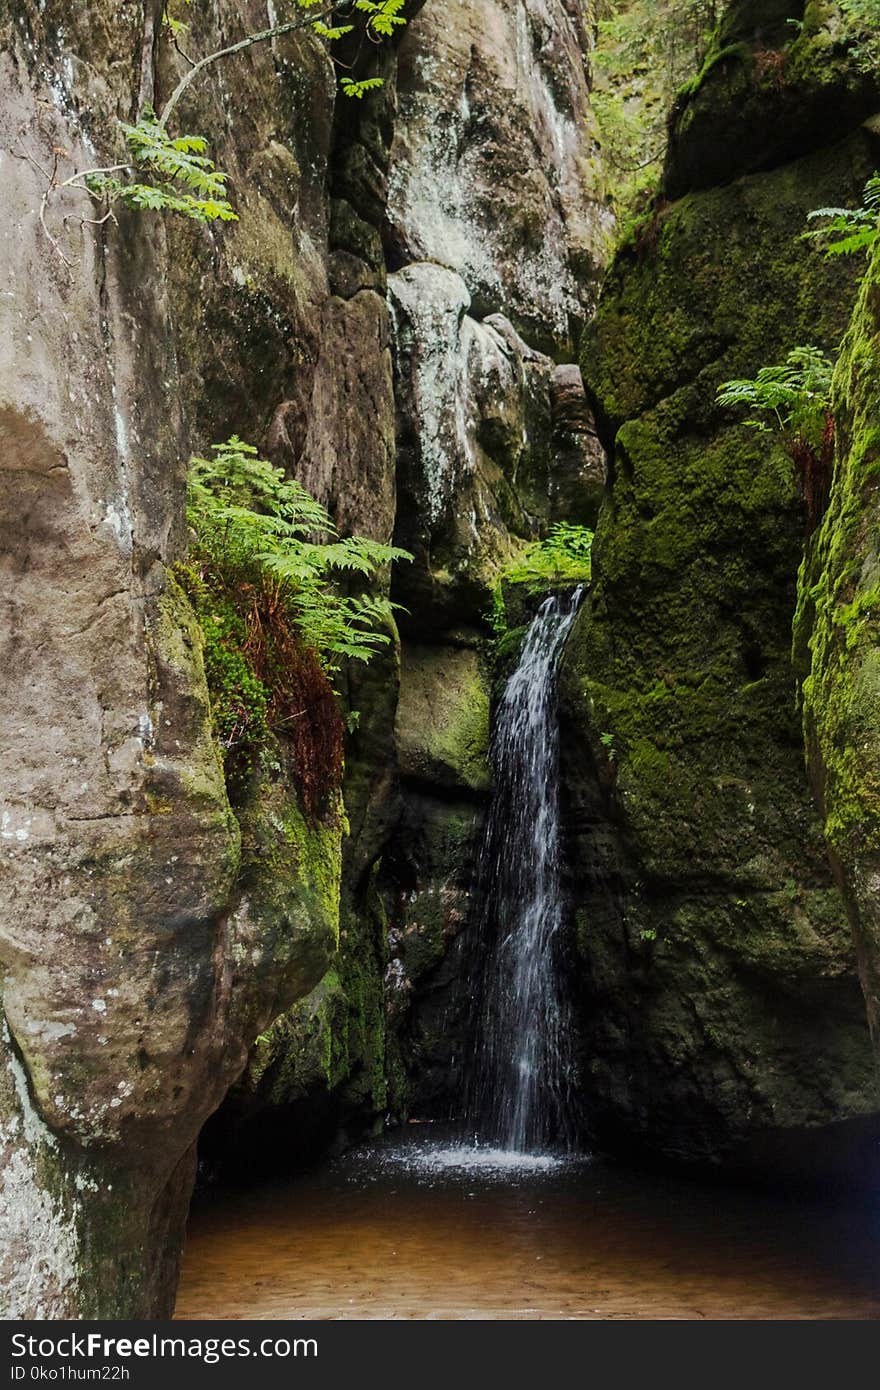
(430, 1159)
(522, 1086)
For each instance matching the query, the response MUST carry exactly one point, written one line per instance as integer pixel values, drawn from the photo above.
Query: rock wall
(493, 441)
(142, 946)
(392, 319)
(719, 997)
(151, 929)
(836, 640)
(495, 236)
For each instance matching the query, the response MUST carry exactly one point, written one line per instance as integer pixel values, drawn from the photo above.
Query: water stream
(521, 1088)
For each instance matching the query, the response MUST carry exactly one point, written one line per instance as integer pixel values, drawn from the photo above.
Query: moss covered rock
(788, 72)
(442, 724)
(837, 640)
(718, 980)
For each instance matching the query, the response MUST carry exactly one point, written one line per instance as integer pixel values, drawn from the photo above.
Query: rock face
(151, 930)
(719, 999)
(493, 442)
(392, 319)
(493, 170)
(141, 949)
(495, 234)
(478, 435)
(836, 641)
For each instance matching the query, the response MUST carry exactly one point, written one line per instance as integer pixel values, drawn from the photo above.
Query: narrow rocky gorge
(416, 318)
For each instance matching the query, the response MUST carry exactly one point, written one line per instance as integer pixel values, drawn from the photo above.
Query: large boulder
(720, 1006)
(141, 950)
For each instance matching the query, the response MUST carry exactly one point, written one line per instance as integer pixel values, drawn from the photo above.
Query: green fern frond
(351, 88)
(849, 230)
(795, 395)
(254, 524)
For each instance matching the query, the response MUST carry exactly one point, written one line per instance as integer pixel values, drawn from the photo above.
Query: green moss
(303, 1050)
(560, 560)
(769, 92)
(291, 869)
(176, 645)
(239, 699)
(837, 629)
(717, 56)
(679, 727)
(363, 956)
(442, 722)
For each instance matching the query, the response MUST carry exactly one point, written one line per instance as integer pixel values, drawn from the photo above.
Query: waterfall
(522, 1082)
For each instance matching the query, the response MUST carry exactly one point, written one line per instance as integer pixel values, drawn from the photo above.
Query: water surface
(417, 1228)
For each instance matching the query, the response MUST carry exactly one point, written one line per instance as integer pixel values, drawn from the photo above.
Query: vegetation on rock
(837, 638)
(795, 397)
(176, 173)
(711, 892)
(644, 51)
(263, 573)
(183, 178)
(562, 557)
(863, 23)
(847, 230)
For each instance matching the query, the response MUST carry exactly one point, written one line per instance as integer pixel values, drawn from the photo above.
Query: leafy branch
(184, 179)
(275, 31)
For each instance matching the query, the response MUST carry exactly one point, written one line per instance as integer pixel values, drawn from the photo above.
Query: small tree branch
(44, 203)
(99, 221)
(89, 174)
(276, 32)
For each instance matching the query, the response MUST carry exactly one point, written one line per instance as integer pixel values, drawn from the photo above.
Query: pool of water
(417, 1227)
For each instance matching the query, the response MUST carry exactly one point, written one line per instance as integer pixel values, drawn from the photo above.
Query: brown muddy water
(411, 1228)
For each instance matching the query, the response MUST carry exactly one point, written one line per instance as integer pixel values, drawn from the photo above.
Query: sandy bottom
(426, 1230)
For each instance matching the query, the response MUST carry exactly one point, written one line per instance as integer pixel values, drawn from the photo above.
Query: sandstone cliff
(151, 930)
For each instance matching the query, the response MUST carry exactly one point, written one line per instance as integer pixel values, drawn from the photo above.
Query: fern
(793, 397)
(855, 229)
(564, 555)
(384, 16)
(177, 174)
(351, 88)
(251, 525)
(862, 30)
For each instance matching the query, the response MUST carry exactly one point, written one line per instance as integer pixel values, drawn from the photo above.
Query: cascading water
(521, 1087)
